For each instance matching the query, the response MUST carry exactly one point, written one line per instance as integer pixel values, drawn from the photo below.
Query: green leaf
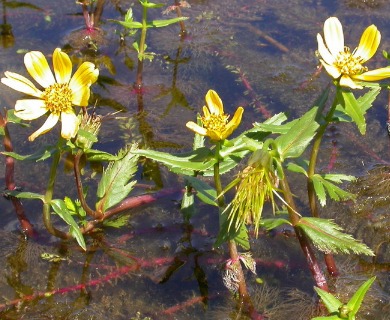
(294, 167)
(129, 15)
(199, 160)
(294, 141)
(365, 102)
(11, 118)
(40, 155)
(204, 191)
(240, 236)
(114, 185)
(335, 317)
(324, 184)
(164, 23)
(118, 222)
(97, 155)
(273, 223)
(352, 108)
(62, 211)
(128, 24)
(327, 237)
(187, 204)
(24, 195)
(331, 302)
(147, 4)
(355, 302)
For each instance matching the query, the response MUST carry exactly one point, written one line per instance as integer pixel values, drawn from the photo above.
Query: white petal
(346, 81)
(332, 70)
(324, 52)
(70, 125)
(50, 122)
(30, 109)
(21, 84)
(334, 36)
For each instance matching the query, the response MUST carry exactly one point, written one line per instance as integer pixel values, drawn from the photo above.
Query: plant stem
(183, 30)
(25, 223)
(141, 49)
(303, 240)
(329, 259)
(242, 289)
(49, 196)
(79, 185)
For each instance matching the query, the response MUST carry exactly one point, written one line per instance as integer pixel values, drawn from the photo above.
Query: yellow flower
(215, 121)
(338, 60)
(60, 94)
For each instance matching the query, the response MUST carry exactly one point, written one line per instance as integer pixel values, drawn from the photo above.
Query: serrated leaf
(327, 237)
(114, 185)
(294, 141)
(324, 185)
(351, 108)
(62, 211)
(270, 224)
(365, 102)
(204, 191)
(330, 301)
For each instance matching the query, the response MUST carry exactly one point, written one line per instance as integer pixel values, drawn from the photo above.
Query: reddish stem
(25, 224)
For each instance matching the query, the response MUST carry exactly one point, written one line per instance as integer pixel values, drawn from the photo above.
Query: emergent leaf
(294, 141)
(327, 237)
(114, 185)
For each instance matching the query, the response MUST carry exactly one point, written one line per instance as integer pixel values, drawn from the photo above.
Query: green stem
(49, 197)
(234, 256)
(329, 260)
(314, 155)
(141, 48)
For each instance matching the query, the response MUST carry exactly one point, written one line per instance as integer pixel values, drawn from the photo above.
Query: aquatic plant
(339, 310)
(267, 151)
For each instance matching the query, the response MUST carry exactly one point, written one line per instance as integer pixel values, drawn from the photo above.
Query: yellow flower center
(58, 98)
(348, 64)
(215, 122)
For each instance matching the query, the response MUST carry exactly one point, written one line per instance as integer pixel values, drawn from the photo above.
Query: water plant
(339, 310)
(261, 156)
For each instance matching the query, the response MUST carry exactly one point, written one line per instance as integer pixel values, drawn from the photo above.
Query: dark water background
(226, 50)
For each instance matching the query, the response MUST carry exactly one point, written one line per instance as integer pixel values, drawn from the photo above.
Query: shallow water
(258, 54)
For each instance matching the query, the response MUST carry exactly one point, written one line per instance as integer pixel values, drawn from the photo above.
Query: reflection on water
(259, 54)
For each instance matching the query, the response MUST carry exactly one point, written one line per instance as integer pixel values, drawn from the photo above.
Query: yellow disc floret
(58, 98)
